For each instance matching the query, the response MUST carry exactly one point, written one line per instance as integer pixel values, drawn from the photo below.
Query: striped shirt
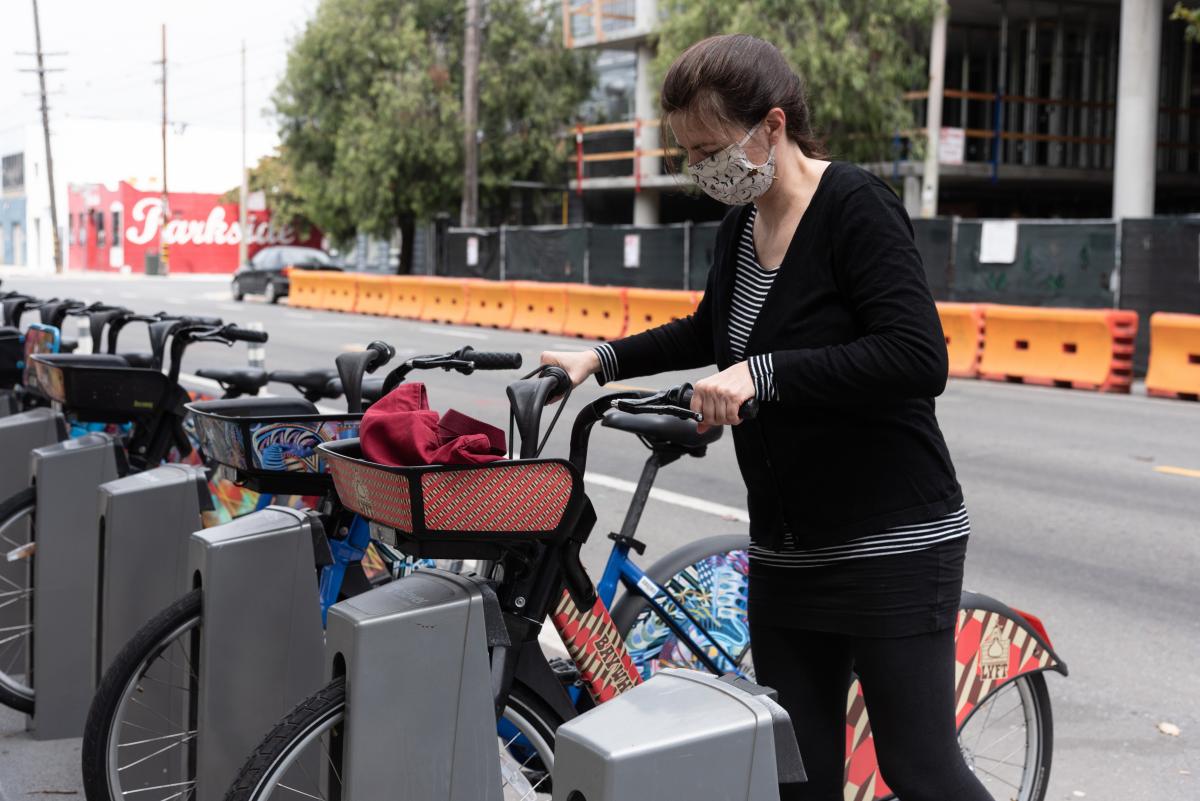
(752, 283)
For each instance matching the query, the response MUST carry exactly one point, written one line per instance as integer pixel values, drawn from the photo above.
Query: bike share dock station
(108, 568)
(728, 740)
(261, 642)
(20, 434)
(426, 636)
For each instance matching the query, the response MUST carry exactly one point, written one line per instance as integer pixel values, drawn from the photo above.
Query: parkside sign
(147, 217)
(116, 229)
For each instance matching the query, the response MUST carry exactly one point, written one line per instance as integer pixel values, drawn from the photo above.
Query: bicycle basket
(460, 511)
(38, 339)
(99, 387)
(271, 443)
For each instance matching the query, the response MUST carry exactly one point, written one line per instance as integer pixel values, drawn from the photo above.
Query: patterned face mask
(728, 176)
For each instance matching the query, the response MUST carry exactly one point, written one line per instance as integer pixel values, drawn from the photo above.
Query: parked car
(267, 272)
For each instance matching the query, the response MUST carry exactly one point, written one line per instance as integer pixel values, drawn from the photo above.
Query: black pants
(908, 684)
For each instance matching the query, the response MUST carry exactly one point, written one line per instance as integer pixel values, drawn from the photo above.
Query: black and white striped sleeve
(608, 363)
(762, 372)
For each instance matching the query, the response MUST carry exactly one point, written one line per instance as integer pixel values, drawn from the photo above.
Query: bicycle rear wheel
(301, 757)
(16, 600)
(141, 728)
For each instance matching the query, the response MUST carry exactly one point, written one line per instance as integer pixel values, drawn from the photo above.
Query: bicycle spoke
(163, 750)
(154, 739)
(300, 792)
(186, 785)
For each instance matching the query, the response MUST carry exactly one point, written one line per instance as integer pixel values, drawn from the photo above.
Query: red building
(115, 229)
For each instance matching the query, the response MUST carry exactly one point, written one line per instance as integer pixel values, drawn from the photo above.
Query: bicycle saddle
(255, 407)
(245, 380)
(313, 383)
(657, 430)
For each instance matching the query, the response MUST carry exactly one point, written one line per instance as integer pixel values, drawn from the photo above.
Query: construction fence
(1144, 265)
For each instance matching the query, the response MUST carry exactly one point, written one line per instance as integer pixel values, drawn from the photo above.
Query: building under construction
(1088, 108)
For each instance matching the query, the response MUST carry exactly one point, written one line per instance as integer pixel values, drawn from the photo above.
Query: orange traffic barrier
(406, 296)
(1174, 356)
(539, 307)
(962, 324)
(649, 308)
(490, 303)
(597, 312)
(340, 291)
(373, 294)
(445, 300)
(306, 290)
(1077, 348)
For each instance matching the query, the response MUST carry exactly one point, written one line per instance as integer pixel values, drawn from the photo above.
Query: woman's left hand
(720, 397)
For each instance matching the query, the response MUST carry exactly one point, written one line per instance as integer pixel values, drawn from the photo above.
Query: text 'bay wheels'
(16, 600)
(302, 756)
(140, 738)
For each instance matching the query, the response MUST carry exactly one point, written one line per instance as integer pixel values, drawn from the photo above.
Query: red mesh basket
(498, 503)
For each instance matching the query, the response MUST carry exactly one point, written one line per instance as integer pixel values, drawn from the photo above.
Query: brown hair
(739, 78)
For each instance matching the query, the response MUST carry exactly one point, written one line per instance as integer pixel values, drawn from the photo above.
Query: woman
(817, 305)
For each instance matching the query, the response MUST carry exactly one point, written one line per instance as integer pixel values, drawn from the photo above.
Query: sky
(109, 70)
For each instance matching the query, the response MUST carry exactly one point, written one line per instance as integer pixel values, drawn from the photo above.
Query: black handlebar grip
(244, 334)
(193, 320)
(493, 360)
(748, 410)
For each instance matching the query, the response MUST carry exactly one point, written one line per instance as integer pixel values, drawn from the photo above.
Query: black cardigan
(853, 446)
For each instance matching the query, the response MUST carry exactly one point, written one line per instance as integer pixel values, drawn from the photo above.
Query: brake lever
(623, 405)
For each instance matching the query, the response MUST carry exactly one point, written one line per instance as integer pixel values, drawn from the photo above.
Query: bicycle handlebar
(676, 402)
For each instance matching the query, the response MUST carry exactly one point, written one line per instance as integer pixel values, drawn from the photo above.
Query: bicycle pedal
(564, 670)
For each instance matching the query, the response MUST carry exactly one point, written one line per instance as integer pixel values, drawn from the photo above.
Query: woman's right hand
(578, 364)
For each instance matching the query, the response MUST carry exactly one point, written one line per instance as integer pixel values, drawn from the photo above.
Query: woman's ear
(776, 124)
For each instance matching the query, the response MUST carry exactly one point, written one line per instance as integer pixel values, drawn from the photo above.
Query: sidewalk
(10, 271)
(30, 769)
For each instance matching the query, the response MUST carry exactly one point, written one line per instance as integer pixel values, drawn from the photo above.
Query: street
(1085, 511)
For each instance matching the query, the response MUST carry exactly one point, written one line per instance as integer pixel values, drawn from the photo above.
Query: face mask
(729, 176)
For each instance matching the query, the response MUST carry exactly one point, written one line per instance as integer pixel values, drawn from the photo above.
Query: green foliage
(856, 57)
(370, 108)
(1190, 16)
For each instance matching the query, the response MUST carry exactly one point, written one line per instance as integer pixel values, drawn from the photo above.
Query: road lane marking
(1177, 471)
(627, 387)
(672, 498)
(452, 332)
(230, 307)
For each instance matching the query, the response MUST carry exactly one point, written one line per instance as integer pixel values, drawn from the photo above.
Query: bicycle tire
(14, 694)
(118, 680)
(1040, 696)
(324, 709)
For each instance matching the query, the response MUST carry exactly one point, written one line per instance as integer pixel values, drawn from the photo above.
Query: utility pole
(163, 265)
(470, 202)
(41, 71)
(243, 240)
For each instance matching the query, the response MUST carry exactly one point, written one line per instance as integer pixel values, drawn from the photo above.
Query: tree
(273, 177)
(1191, 16)
(370, 110)
(856, 58)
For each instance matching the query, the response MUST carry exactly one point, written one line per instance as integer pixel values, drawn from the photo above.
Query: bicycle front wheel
(302, 756)
(16, 600)
(140, 735)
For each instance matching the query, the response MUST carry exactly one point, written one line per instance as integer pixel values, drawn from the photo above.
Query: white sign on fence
(472, 251)
(998, 242)
(633, 250)
(952, 145)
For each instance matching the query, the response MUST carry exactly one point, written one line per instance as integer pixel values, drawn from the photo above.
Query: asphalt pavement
(1085, 511)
